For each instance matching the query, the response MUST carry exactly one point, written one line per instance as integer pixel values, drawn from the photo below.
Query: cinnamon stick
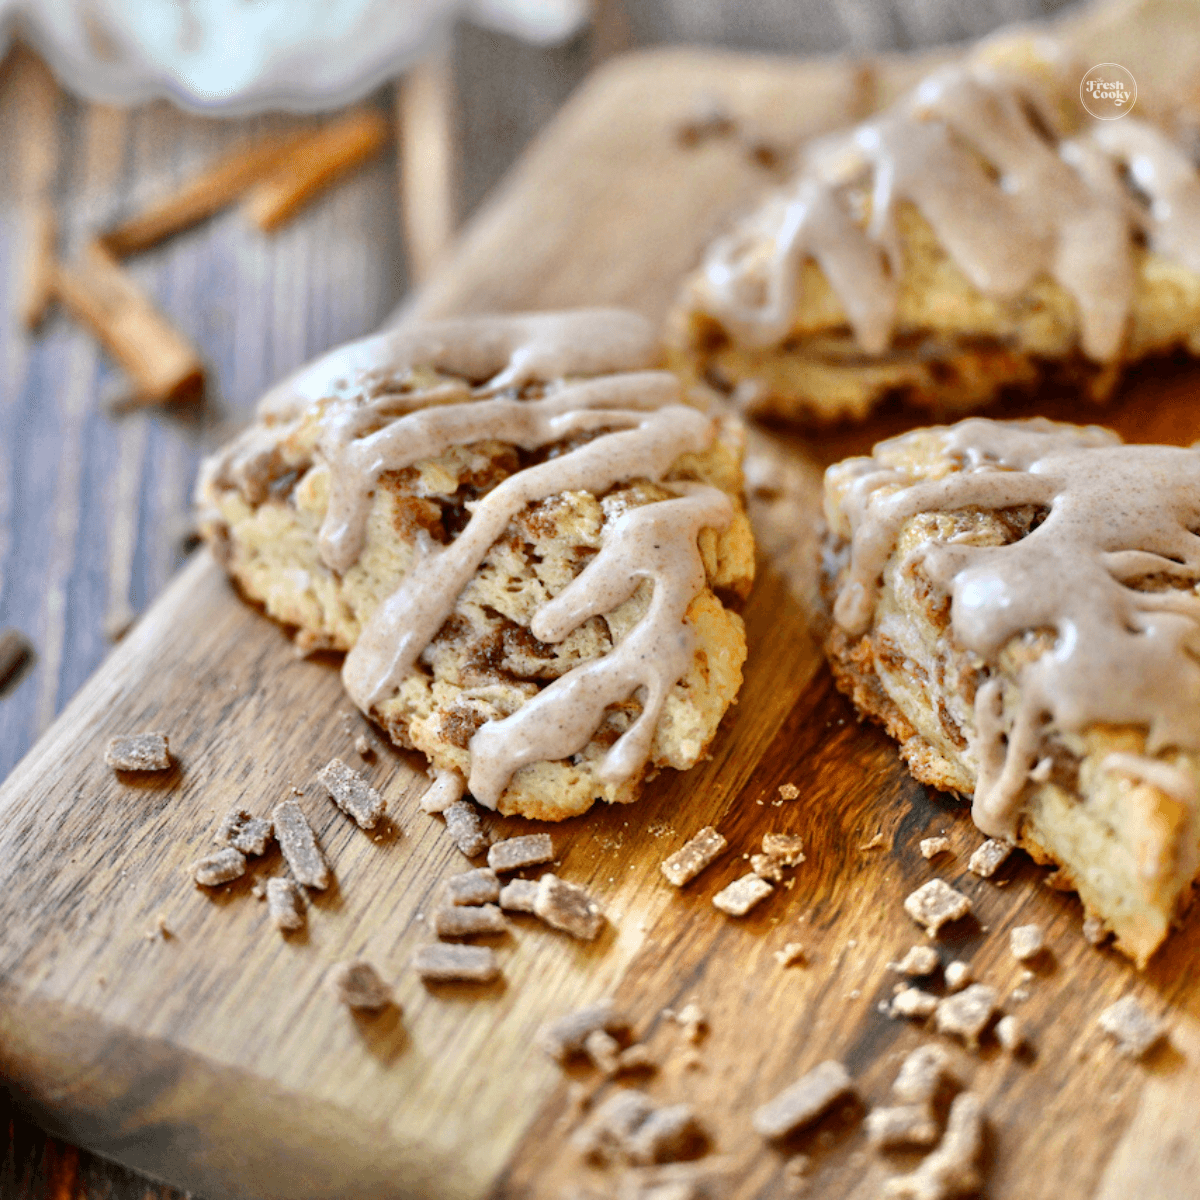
(314, 164)
(163, 366)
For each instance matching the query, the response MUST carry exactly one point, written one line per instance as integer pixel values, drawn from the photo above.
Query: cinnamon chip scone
(524, 537)
(1018, 603)
(980, 236)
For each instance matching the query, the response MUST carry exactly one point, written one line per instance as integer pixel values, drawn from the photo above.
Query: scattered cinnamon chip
(988, 859)
(901, 1125)
(696, 854)
(313, 164)
(808, 1099)
(461, 921)
(139, 752)
(357, 985)
(285, 903)
(517, 853)
(363, 748)
(352, 793)
(481, 886)
(519, 895)
(246, 833)
(913, 1002)
(15, 652)
(664, 1136)
(1094, 931)
(566, 1036)
(603, 1049)
(464, 826)
(742, 895)
(1136, 1032)
(966, 1014)
(920, 960)
(299, 845)
(604, 1136)
(925, 1073)
(221, 867)
(935, 903)
(789, 791)
(447, 962)
(958, 975)
(1010, 1033)
(568, 907)
(931, 847)
(691, 1019)
(953, 1168)
(792, 953)
(786, 848)
(1026, 942)
(766, 867)
(162, 365)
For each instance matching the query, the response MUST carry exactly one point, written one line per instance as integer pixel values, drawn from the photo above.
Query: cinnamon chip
(221, 867)
(808, 1099)
(519, 895)
(515, 854)
(789, 791)
(1026, 942)
(249, 834)
(455, 921)
(792, 953)
(285, 903)
(604, 1050)
(920, 960)
(629, 1128)
(464, 826)
(958, 975)
(1010, 1033)
(664, 1136)
(953, 1168)
(446, 962)
(357, 985)
(15, 652)
(988, 859)
(481, 886)
(352, 793)
(139, 752)
(935, 903)
(924, 1075)
(966, 1014)
(742, 895)
(567, 907)
(912, 1002)
(766, 867)
(1137, 1032)
(299, 845)
(901, 1125)
(786, 848)
(933, 846)
(696, 854)
(566, 1036)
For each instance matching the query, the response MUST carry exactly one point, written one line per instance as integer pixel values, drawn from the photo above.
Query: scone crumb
(923, 1075)
(357, 985)
(1026, 942)
(920, 960)
(931, 847)
(299, 845)
(1094, 930)
(786, 848)
(696, 854)
(517, 853)
(450, 962)
(139, 752)
(808, 1099)
(519, 895)
(363, 747)
(222, 867)
(1136, 1032)
(285, 903)
(966, 1014)
(481, 886)
(691, 1019)
(566, 1036)
(742, 895)
(664, 1136)
(789, 791)
(935, 903)
(914, 1003)
(462, 921)
(901, 1125)
(446, 788)
(352, 793)
(792, 953)
(989, 858)
(958, 975)
(465, 827)
(1010, 1033)
(249, 834)
(568, 907)
(953, 1168)
(604, 1137)
(604, 1051)
(766, 867)
(876, 843)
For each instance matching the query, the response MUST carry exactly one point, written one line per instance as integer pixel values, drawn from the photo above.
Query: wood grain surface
(165, 1122)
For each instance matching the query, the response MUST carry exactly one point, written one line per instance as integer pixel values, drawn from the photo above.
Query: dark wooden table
(94, 508)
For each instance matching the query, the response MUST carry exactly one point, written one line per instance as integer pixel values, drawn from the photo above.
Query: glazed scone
(523, 536)
(1018, 603)
(964, 243)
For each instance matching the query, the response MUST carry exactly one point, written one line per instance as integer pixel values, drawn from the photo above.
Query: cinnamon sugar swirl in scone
(1018, 603)
(524, 537)
(966, 242)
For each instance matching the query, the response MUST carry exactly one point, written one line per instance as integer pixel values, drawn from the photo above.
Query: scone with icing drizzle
(524, 538)
(964, 243)
(1019, 604)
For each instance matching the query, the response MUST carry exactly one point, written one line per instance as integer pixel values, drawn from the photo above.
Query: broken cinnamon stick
(314, 164)
(163, 366)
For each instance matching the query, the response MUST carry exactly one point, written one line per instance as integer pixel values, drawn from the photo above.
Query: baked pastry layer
(964, 243)
(1018, 604)
(431, 500)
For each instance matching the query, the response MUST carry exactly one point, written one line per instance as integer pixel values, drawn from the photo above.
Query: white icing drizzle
(968, 148)
(1116, 513)
(369, 426)
(1171, 780)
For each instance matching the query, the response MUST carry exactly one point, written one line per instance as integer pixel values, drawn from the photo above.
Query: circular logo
(1108, 91)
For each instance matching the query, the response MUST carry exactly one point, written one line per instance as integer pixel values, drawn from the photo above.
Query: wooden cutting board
(215, 1059)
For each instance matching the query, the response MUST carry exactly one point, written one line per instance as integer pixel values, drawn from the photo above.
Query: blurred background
(95, 477)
